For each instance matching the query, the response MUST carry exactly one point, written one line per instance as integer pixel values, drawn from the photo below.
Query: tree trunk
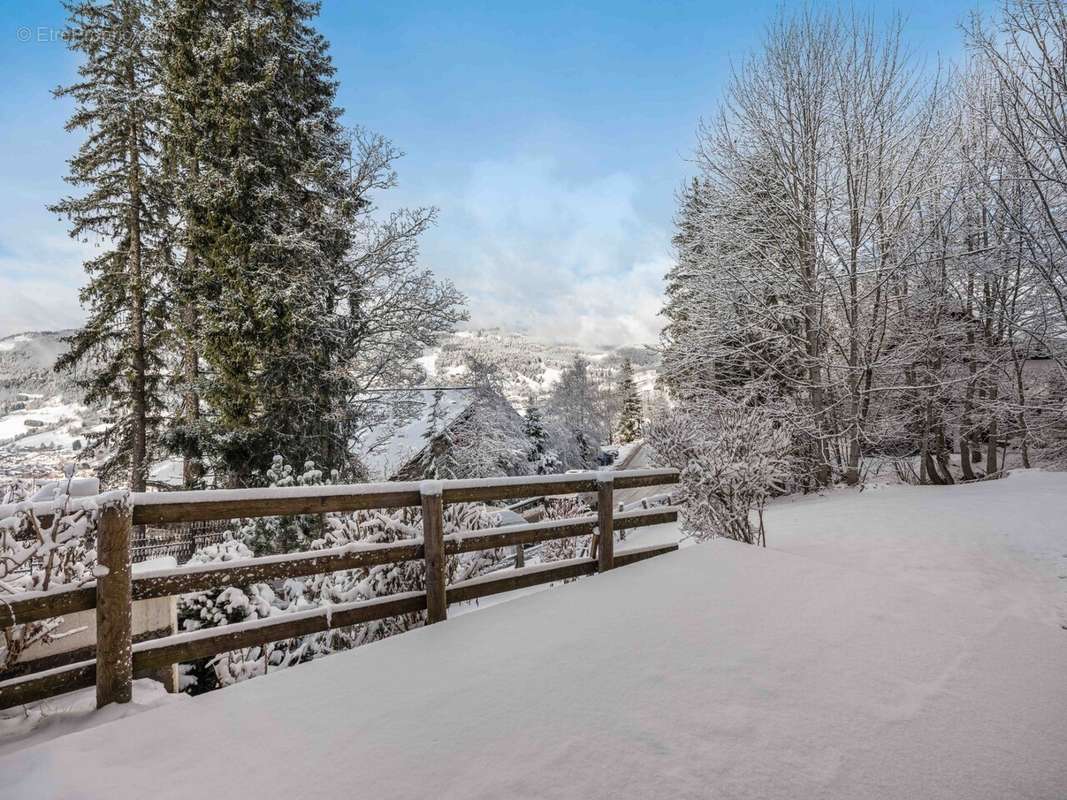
(138, 390)
(991, 445)
(966, 423)
(943, 462)
(192, 468)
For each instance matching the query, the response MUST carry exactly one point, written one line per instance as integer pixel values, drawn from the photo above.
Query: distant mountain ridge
(27, 363)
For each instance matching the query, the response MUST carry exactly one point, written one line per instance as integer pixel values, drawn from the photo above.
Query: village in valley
(694, 428)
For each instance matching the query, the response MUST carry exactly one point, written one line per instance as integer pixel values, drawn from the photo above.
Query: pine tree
(577, 400)
(438, 441)
(577, 406)
(534, 428)
(294, 301)
(632, 416)
(267, 209)
(125, 209)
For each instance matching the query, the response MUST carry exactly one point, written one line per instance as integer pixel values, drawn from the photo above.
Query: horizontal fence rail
(155, 508)
(119, 659)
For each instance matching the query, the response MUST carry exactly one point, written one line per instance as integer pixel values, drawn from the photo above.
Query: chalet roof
(388, 446)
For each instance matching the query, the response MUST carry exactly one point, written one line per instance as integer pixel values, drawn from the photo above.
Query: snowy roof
(168, 472)
(388, 446)
(75, 487)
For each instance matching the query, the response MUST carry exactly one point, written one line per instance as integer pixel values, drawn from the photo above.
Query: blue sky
(551, 136)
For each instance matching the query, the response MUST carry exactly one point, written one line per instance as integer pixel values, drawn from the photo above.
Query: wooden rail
(162, 507)
(118, 660)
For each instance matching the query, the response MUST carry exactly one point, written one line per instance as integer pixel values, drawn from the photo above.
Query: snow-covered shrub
(732, 460)
(272, 535)
(320, 532)
(218, 606)
(573, 546)
(39, 557)
(15, 490)
(387, 526)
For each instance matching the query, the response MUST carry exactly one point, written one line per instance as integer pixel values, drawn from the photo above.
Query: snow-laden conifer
(122, 209)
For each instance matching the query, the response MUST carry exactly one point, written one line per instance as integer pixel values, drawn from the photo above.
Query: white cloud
(560, 257)
(40, 277)
(534, 248)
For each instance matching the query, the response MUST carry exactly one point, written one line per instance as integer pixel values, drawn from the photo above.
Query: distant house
(433, 425)
(388, 448)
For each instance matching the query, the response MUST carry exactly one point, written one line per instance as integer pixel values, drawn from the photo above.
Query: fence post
(433, 532)
(605, 484)
(114, 607)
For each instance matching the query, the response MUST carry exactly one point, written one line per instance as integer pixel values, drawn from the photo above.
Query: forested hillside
(531, 366)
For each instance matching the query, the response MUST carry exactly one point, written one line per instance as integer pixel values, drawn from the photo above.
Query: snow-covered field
(902, 642)
(42, 421)
(1000, 545)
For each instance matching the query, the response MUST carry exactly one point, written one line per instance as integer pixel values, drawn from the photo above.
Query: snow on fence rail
(118, 660)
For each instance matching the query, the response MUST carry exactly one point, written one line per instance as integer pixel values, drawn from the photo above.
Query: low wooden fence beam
(633, 555)
(510, 580)
(156, 508)
(201, 577)
(35, 606)
(149, 657)
(42, 685)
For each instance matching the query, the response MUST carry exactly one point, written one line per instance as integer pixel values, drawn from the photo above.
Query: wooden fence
(118, 660)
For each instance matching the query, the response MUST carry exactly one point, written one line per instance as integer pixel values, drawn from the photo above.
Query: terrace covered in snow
(813, 668)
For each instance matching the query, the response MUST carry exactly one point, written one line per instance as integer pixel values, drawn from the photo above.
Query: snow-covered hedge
(571, 547)
(39, 557)
(318, 532)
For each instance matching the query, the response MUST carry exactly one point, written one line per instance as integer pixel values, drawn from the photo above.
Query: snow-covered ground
(72, 712)
(42, 421)
(1001, 545)
(898, 643)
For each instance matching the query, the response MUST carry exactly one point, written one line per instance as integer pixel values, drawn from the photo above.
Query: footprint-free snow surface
(814, 669)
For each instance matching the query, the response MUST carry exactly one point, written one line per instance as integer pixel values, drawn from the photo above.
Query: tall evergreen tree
(632, 416)
(438, 440)
(534, 428)
(577, 400)
(269, 208)
(124, 209)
